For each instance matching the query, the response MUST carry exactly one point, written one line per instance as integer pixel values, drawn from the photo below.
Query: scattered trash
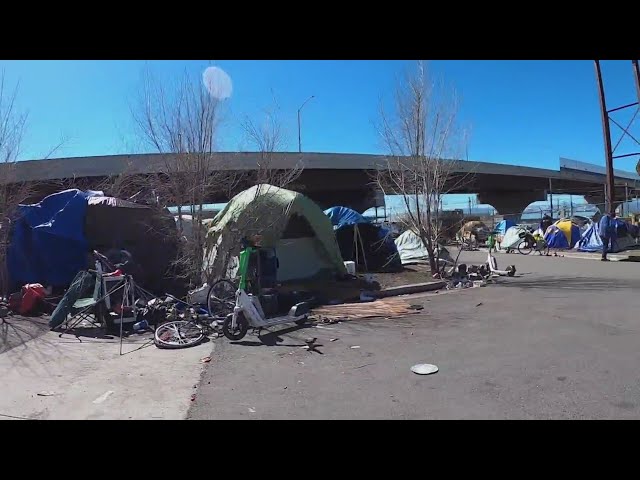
(140, 326)
(285, 387)
(103, 397)
(199, 295)
(424, 369)
(252, 410)
(479, 304)
(333, 339)
(47, 394)
(415, 307)
(356, 346)
(193, 397)
(205, 359)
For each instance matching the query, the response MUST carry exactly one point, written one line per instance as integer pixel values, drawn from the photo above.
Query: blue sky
(519, 112)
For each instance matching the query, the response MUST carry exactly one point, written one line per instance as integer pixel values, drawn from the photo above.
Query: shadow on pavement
(272, 339)
(573, 283)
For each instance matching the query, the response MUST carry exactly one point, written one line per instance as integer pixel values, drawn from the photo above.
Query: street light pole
(610, 192)
(299, 135)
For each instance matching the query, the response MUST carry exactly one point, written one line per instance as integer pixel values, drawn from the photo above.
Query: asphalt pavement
(560, 341)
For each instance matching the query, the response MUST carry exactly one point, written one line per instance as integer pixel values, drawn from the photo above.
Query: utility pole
(551, 198)
(299, 130)
(626, 198)
(636, 74)
(606, 131)
(571, 203)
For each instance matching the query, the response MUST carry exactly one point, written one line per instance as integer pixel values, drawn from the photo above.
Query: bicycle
(195, 323)
(529, 244)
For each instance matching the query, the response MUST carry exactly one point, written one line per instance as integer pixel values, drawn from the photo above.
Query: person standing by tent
(607, 231)
(546, 222)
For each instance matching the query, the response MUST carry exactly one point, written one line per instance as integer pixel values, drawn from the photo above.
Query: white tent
(411, 249)
(511, 238)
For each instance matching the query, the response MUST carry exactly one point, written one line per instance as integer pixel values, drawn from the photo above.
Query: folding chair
(87, 309)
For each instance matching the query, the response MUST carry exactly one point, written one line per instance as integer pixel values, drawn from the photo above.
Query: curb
(407, 289)
(611, 258)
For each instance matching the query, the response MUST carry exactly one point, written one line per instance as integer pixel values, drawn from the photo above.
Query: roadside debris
(424, 369)
(47, 394)
(356, 346)
(333, 339)
(386, 308)
(205, 359)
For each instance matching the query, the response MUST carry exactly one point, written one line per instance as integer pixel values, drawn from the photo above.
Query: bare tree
(267, 138)
(12, 192)
(182, 124)
(423, 141)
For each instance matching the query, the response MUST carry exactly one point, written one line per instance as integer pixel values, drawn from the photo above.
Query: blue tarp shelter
(591, 241)
(370, 246)
(342, 216)
(48, 244)
(504, 225)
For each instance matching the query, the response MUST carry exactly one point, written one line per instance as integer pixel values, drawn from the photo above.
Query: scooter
(493, 267)
(248, 310)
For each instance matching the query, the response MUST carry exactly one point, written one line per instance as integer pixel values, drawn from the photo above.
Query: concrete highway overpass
(338, 178)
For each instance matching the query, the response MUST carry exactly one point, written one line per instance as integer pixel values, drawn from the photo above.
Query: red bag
(32, 293)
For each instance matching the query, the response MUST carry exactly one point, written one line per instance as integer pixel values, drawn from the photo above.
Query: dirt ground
(418, 273)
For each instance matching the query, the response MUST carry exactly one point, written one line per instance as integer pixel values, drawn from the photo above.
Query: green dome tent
(287, 221)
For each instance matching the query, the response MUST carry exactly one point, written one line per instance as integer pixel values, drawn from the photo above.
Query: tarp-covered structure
(287, 221)
(512, 237)
(563, 234)
(592, 242)
(370, 246)
(410, 248)
(475, 227)
(48, 244)
(503, 226)
(51, 240)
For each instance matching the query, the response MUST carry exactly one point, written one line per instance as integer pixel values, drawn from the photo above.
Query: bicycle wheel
(221, 298)
(525, 248)
(178, 334)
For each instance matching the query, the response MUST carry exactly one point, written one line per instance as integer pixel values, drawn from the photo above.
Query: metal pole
(571, 203)
(606, 132)
(626, 197)
(551, 198)
(636, 71)
(299, 137)
(299, 130)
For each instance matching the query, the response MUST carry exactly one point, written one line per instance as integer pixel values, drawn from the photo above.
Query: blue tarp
(48, 244)
(341, 216)
(504, 225)
(591, 241)
(379, 247)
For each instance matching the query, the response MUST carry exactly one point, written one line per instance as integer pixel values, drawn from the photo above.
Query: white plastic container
(351, 267)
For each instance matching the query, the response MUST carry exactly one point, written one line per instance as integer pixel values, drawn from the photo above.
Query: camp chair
(86, 309)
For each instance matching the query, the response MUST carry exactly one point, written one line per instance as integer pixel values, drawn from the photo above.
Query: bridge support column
(511, 204)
